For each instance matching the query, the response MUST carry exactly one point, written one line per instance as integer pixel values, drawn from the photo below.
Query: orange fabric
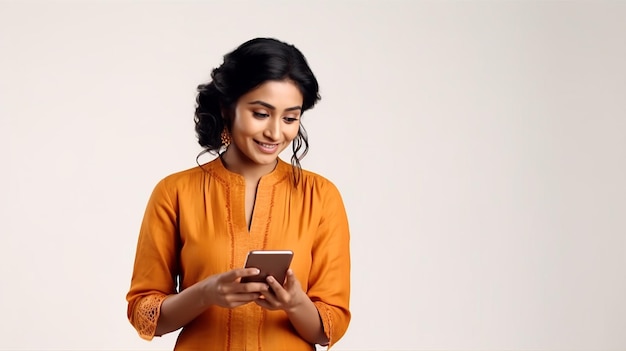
(194, 226)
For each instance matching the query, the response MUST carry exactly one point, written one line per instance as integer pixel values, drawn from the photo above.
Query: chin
(265, 161)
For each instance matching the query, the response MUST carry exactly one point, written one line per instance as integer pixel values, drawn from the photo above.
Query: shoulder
(322, 195)
(311, 177)
(168, 188)
(181, 178)
(311, 181)
(189, 179)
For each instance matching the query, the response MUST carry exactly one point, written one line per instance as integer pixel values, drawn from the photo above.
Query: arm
(222, 289)
(306, 320)
(320, 316)
(156, 262)
(180, 309)
(329, 279)
(300, 310)
(154, 307)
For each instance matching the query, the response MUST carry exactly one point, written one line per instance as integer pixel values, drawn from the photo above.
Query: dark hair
(250, 65)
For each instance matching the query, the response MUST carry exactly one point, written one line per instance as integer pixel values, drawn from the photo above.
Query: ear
(227, 115)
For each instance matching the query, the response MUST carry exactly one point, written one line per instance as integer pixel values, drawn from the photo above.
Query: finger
(278, 291)
(237, 304)
(248, 297)
(264, 304)
(290, 280)
(270, 297)
(268, 302)
(251, 287)
(250, 272)
(235, 274)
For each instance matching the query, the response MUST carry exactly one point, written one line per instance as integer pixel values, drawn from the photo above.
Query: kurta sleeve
(329, 281)
(155, 267)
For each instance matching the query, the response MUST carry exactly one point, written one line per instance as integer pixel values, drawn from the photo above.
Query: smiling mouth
(267, 146)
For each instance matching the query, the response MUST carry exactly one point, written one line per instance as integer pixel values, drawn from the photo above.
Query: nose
(272, 129)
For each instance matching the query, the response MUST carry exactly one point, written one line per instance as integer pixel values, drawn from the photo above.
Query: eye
(260, 114)
(290, 119)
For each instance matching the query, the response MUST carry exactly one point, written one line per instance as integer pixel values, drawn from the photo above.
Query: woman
(200, 223)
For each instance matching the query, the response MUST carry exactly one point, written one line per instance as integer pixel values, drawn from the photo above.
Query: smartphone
(269, 262)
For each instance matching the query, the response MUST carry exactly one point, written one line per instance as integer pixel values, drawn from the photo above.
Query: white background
(480, 147)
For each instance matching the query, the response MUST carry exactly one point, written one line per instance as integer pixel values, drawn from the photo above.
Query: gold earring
(225, 137)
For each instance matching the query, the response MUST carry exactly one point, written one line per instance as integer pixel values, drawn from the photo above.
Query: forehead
(284, 93)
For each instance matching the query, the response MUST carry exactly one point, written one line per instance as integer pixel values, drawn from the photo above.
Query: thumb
(235, 274)
(291, 279)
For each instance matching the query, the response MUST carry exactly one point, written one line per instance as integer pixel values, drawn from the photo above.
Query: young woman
(200, 223)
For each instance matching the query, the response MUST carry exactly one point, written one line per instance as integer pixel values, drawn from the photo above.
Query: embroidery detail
(147, 314)
(327, 321)
(330, 327)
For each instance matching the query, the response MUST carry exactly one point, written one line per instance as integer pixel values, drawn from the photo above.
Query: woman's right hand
(226, 291)
(223, 290)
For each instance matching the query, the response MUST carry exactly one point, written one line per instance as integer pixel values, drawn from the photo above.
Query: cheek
(292, 131)
(244, 126)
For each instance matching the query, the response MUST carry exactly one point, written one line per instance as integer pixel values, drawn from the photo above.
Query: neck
(237, 163)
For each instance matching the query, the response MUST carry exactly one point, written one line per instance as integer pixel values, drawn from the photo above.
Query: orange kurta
(195, 226)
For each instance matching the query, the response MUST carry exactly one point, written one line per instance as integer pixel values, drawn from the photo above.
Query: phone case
(269, 262)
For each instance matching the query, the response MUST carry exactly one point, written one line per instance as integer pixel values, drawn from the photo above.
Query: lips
(267, 148)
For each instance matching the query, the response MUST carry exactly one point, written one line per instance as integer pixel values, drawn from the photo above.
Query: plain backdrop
(480, 147)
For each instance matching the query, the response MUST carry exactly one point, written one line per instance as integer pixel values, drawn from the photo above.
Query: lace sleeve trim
(327, 322)
(147, 314)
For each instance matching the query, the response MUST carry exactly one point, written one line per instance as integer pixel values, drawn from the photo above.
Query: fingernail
(270, 279)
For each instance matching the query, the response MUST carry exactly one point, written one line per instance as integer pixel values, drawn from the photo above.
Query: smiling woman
(200, 223)
(263, 123)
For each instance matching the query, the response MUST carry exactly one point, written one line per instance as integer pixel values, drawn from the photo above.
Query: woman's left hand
(282, 297)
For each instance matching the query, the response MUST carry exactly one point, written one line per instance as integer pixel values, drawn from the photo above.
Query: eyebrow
(265, 104)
